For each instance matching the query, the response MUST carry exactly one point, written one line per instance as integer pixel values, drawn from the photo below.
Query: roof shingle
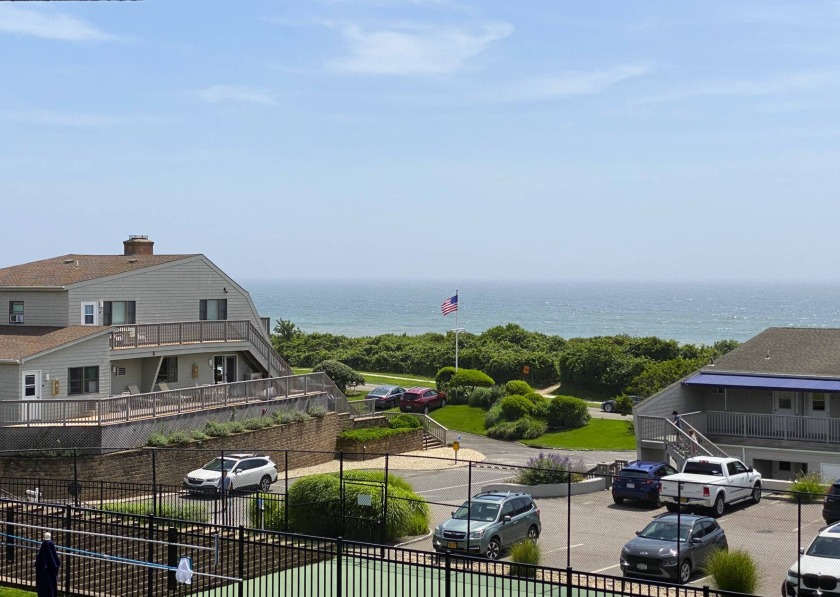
(17, 342)
(71, 269)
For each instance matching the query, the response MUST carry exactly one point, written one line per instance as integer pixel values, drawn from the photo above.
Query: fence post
(384, 526)
(469, 505)
(341, 489)
(568, 519)
(447, 590)
(154, 482)
(10, 533)
(76, 477)
(172, 559)
(798, 542)
(568, 580)
(339, 581)
(241, 560)
(679, 523)
(69, 540)
(286, 493)
(150, 553)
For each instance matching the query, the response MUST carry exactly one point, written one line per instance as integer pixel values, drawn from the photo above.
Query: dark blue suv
(640, 480)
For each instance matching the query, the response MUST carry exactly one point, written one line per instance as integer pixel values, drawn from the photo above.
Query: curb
(417, 540)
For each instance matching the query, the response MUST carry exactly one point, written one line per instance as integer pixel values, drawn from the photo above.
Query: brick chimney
(138, 244)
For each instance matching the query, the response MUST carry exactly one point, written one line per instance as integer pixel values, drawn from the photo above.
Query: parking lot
(599, 529)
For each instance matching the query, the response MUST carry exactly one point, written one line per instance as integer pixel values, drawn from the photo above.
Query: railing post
(11, 532)
(286, 493)
(339, 581)
(154, 482)
(447, 575)
(241, 561)
(172, 558)
(150, 553)
(69, 542)
(568, 519)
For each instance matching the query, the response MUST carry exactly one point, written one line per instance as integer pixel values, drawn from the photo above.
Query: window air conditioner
(16, 318)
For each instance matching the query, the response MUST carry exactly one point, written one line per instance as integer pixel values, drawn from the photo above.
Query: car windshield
(825, 547)
(216, 465)
(477, 511)
(665, 531)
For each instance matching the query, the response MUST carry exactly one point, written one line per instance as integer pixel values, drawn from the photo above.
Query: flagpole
(457, 329)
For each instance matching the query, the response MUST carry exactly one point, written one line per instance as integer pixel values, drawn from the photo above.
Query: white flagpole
(457, 329)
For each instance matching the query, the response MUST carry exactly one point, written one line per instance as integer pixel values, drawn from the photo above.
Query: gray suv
(494, 520)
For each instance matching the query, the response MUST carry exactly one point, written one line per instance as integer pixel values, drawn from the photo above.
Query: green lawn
(598, 434)
(461, 417)
(9, 592)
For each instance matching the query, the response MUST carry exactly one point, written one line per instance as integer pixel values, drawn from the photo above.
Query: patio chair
(133, 388)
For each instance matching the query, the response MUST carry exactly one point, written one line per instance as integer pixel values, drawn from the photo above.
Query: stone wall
(395, 444)
(309, 443)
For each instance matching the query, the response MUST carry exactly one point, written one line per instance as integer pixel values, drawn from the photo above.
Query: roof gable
(19, 342)
(785, 351)
(72, 269)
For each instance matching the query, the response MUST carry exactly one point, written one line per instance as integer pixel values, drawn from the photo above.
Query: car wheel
(494, 549)
(656, 502)
(426, 410)
(533, 533)
(265, 484)
(672, 507)
(756, 493)
(608, 407)
(618, 500)
(684, 572)
(443, 403)
(719, 507)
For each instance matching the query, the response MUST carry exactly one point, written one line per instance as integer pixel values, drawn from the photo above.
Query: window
(212, 309)
(83, 380)
(15, 311)
(168, 371)
(118, 312)
(89, 313)
(784, 465)
(29, 387)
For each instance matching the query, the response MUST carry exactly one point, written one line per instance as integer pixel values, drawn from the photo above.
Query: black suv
(831, 503)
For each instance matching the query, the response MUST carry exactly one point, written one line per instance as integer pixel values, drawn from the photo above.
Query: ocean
(689, 312)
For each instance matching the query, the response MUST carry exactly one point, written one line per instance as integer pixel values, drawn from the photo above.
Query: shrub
(623, 405)
(466, 380)
(235, 427)
(545, 468)
(442, 378)
(198, 435)
(808, 487)
(515, 407)
(485, 397)
(315, 506)
(371, 433)
(340, 374)
(273, 513)
(257, 423)
(541, 409)
(523, 428)
(518, 387)
(405, 422)
(290, 416)
(157, 440)
(317, 412)
(493, 417)
(216, 429)
(733, 570)
(567, 411)
(525, 552)
(178, 437)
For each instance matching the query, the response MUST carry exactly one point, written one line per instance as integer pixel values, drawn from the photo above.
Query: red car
(421, 400)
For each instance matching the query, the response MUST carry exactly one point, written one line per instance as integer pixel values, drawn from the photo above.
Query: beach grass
(598, 434)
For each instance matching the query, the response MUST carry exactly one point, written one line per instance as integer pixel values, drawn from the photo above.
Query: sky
(427, 139)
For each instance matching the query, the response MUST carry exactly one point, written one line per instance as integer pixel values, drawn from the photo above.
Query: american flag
(449, 305)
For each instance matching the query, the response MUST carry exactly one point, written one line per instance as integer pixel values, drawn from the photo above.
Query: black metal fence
(583, 528)
(128, 555)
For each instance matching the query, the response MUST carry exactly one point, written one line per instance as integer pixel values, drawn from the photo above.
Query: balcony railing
(747, 426)
(296, 390)
(150, 335)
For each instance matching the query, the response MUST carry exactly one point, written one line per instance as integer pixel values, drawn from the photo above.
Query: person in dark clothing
(46, 568)
(677, 419)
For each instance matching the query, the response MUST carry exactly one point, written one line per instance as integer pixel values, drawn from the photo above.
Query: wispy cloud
(72, 119)
(745, 87)
(216, 94)
(571, 83)
(407, 49)
(48, 25)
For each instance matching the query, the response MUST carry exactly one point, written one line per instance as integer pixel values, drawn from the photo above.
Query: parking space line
(564, 548)
(461, 486)
(605, 569)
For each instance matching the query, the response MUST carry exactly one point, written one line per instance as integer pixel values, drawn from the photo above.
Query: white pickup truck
(710, 482)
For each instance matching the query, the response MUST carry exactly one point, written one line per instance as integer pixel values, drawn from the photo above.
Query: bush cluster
(485, 397)
(525, 552)
(315, 507)
(545, 468)
(808, 487)
(733, 570)
(516, 417)
(372, 433)
(405, 422)
(526, 427)
(162, 439)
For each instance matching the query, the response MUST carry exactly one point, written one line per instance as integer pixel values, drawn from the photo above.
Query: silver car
(494, 520)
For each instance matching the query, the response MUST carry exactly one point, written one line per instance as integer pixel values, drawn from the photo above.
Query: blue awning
(762, 382)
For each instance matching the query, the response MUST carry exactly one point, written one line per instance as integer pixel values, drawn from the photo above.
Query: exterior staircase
(686, 442)
(431, 442)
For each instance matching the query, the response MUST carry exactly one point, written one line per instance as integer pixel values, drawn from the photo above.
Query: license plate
(641, 566)
(631, 485)
(452, 545)
(683, 500)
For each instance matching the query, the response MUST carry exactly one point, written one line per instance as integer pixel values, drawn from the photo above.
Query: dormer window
(15, 311)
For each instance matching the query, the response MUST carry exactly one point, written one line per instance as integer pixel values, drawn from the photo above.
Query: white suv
(817, 572)
(244, 470)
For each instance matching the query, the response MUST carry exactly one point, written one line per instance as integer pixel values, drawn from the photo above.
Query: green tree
(340, 374)
(286, 330)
